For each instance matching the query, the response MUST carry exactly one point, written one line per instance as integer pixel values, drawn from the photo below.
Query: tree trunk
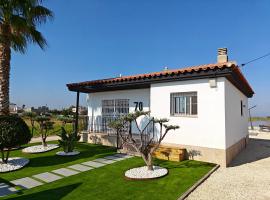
(5, 56)
(5, 157)
(148, 161)
(44, 143)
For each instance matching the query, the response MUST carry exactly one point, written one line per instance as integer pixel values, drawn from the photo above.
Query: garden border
(198, 183)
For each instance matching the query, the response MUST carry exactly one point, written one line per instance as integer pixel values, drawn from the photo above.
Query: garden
(83, 171)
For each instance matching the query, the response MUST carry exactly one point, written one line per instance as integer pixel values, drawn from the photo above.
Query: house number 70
(138, 106)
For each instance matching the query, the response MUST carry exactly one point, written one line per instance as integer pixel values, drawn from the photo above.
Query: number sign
(138, 106)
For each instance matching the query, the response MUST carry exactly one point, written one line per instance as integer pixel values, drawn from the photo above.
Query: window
(184, 103)
(241, 108)
(115, 107)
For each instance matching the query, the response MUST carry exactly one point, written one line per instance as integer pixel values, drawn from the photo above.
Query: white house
(209, 103)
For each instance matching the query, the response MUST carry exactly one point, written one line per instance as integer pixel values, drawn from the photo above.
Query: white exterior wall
(236, 125)
(218, 125)
(94, 100)
(207, 129)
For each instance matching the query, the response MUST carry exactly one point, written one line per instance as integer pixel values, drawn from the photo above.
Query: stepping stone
(93, 164)
(105, 161)
(26, 183)
(47, 177)
(121, 155)
(65, 172)
(111, 157)
(80, 168)
(6, 190)
(114, 158)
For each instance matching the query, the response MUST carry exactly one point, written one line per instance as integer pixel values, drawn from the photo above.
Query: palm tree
(18, 27)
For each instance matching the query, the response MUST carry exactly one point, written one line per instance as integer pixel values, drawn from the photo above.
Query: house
(209, 102)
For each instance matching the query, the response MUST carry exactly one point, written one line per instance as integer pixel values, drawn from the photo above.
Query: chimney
(222, 55)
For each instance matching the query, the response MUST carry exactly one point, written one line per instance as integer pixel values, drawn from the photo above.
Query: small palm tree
(18, 27)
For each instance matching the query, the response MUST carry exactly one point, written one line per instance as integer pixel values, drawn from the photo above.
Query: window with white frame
(115, 107)
(184, 104)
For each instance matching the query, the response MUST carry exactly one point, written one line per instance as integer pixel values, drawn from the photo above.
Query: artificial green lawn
(108, 182)
(48, 161)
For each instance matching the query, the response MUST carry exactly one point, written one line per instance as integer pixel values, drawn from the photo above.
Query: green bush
(68, 140)
(13, 133)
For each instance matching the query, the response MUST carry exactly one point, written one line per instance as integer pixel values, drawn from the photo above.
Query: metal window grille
(184, 103)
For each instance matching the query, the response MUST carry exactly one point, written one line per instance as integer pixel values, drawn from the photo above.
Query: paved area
(93, 164)
(65, 172)
(247, 178)
(47, 177)
(49, 138)
(81, 168)
(26, 183)
(116, 158)
(105, 161)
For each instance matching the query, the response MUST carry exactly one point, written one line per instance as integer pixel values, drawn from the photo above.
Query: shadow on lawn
(86, 151)
(183, 164)
(52, 194)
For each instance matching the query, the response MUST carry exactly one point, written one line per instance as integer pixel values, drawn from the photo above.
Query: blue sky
(92, 39)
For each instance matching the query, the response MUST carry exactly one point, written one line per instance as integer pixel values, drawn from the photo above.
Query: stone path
(48, 177)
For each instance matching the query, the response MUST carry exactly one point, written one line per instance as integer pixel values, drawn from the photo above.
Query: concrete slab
(121, 155)
(65, 172)
(114, 158)
(6, 190)
(93, 164)
(47, 177)
(81, 168)
(105, 161)
(26, 183)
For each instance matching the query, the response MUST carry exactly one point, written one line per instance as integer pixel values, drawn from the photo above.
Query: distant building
(82, 110)
(42, 109)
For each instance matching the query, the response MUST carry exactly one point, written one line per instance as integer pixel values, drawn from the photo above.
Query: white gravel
(144, 173)
(40, 148)
(13, 164)
(62, 153)
(248, 178)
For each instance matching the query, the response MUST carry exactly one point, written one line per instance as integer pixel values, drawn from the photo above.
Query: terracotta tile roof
(185, 70)
(157, 74)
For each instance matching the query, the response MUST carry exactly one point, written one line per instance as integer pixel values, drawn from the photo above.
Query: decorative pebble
(144, 173)
(40, 148)
(62, 153)
(13, 164)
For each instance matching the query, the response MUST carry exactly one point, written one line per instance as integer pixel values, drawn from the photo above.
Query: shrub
(13, 132)
(44, 125)
(31, 116)
(148, 142)
(68, 140)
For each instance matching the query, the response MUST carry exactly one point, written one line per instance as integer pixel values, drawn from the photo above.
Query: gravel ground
(248, 177)
(13, 164)
(62, 153)
(40, 148)
(144, 173)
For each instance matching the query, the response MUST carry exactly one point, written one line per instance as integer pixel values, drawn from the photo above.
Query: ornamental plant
(13, 133)
(44, 126)
(68, 140)
(148, 142)
(31, 116)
